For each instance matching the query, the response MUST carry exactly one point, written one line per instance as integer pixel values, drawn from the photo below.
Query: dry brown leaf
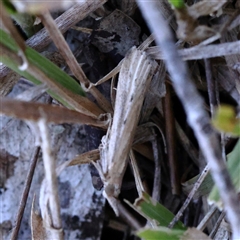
(33, 111)
(134, 78)
(72, 100)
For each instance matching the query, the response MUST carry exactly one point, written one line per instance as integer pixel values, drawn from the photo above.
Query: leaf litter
(138, 97)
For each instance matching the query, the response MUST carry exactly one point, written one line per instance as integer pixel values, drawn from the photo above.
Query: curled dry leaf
(135, 75)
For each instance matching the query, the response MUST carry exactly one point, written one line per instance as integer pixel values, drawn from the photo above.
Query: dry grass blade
(73, 101)
(136, 173)
(201, 52)
(116, 70)
(206, 218)
(88, 157)
(156, 91)
(155, 113)
(171, 142)
(32, 111)
(135, 75)
(197, 117)
(67, 54)
(8, 24)
(49, 200)
(41, 39)
(190, 196)
(25, 193)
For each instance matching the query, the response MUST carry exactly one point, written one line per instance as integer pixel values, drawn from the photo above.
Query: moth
(134, 78)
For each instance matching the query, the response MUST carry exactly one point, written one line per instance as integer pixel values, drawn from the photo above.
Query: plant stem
(194, 106)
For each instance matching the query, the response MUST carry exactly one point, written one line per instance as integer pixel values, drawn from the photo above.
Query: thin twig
(213, 97)
(171, 142)
(51, 215)
(25, 192)
(197, 116)
(41, 39)
(187, 144)
(136, 174)
(201, 226)
(211, 86)
(8, 24)
(67, 54)
(127, 216)
(198, 212)
(201, 52)
(32, 111)
(214, 230)
(116, 144)
(157, 153)
(190, 196)
(76, 102)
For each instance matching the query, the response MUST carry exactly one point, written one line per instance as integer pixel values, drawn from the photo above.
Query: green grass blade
(177, 3)
(233, 165)
(203, 190)
(160, 233)
(46, 66)
(11, 64)
(153, 210)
